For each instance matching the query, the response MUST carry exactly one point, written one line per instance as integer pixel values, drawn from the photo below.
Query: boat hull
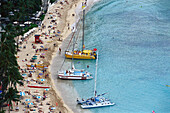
(79, 56)
(74, 77)
(87, 54)
(97, 106)
(35, 86)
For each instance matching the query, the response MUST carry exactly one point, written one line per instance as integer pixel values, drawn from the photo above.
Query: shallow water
(133, 39)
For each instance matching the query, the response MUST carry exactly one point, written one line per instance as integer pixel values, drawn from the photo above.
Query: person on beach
(59, 50)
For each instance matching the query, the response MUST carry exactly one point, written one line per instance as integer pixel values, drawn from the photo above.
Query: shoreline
(65, 84)
(65, 22)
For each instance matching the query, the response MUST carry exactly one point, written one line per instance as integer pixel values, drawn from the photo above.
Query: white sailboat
(74, 74)
(97, 100)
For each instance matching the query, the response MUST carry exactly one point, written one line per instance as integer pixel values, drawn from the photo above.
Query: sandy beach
(34, 59)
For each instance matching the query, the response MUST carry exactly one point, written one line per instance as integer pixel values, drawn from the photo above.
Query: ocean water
(133, 40)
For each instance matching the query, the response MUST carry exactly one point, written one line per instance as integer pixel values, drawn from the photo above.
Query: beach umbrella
(32, 65)
(30, 103)
(28, 100)
(22, 93)
(53, 108)
(40, 73)
(42, 79)
(45, 67)
(47, 89)
(24, 75)
(43, 54)
(34, 56)
(42, 46)
(38, 97)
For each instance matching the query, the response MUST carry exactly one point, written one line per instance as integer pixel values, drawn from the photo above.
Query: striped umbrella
(28, 100)
(30, 103)
(22, 93)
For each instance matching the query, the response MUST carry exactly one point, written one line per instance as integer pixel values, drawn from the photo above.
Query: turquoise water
(133, 39)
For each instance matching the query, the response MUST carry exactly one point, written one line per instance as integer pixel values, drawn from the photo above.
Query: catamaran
(97, 100)
(74, 74)
(83, 54)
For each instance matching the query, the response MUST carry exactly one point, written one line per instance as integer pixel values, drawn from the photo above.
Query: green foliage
(25, 9)
(28, 28)
(52, 1)
(9, 73)
(3, 111)
(42, 17)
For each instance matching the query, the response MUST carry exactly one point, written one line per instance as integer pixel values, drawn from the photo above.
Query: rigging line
(95, 92)
(62, 64)
(73, 33)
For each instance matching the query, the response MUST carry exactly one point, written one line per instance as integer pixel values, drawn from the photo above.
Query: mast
(95, 92)
(73, 52)
(83, 30)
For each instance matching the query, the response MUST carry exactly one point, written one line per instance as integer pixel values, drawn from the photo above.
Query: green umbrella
(34, 58)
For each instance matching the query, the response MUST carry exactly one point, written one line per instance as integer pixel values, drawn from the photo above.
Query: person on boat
(66, 71)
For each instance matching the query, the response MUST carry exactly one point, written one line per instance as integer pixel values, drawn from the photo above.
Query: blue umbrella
(22, 93)
(42, 79)
(47, 89)
(30, 103)
(53, 108)
(45, 67)
(24, 75)
(32, 65)
(40, 73)
(42, 46)
(38, 96)
(28, 100)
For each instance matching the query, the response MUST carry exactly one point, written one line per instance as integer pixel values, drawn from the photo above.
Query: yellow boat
(84, 54)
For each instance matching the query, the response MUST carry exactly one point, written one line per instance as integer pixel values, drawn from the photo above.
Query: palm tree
(10, 96)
